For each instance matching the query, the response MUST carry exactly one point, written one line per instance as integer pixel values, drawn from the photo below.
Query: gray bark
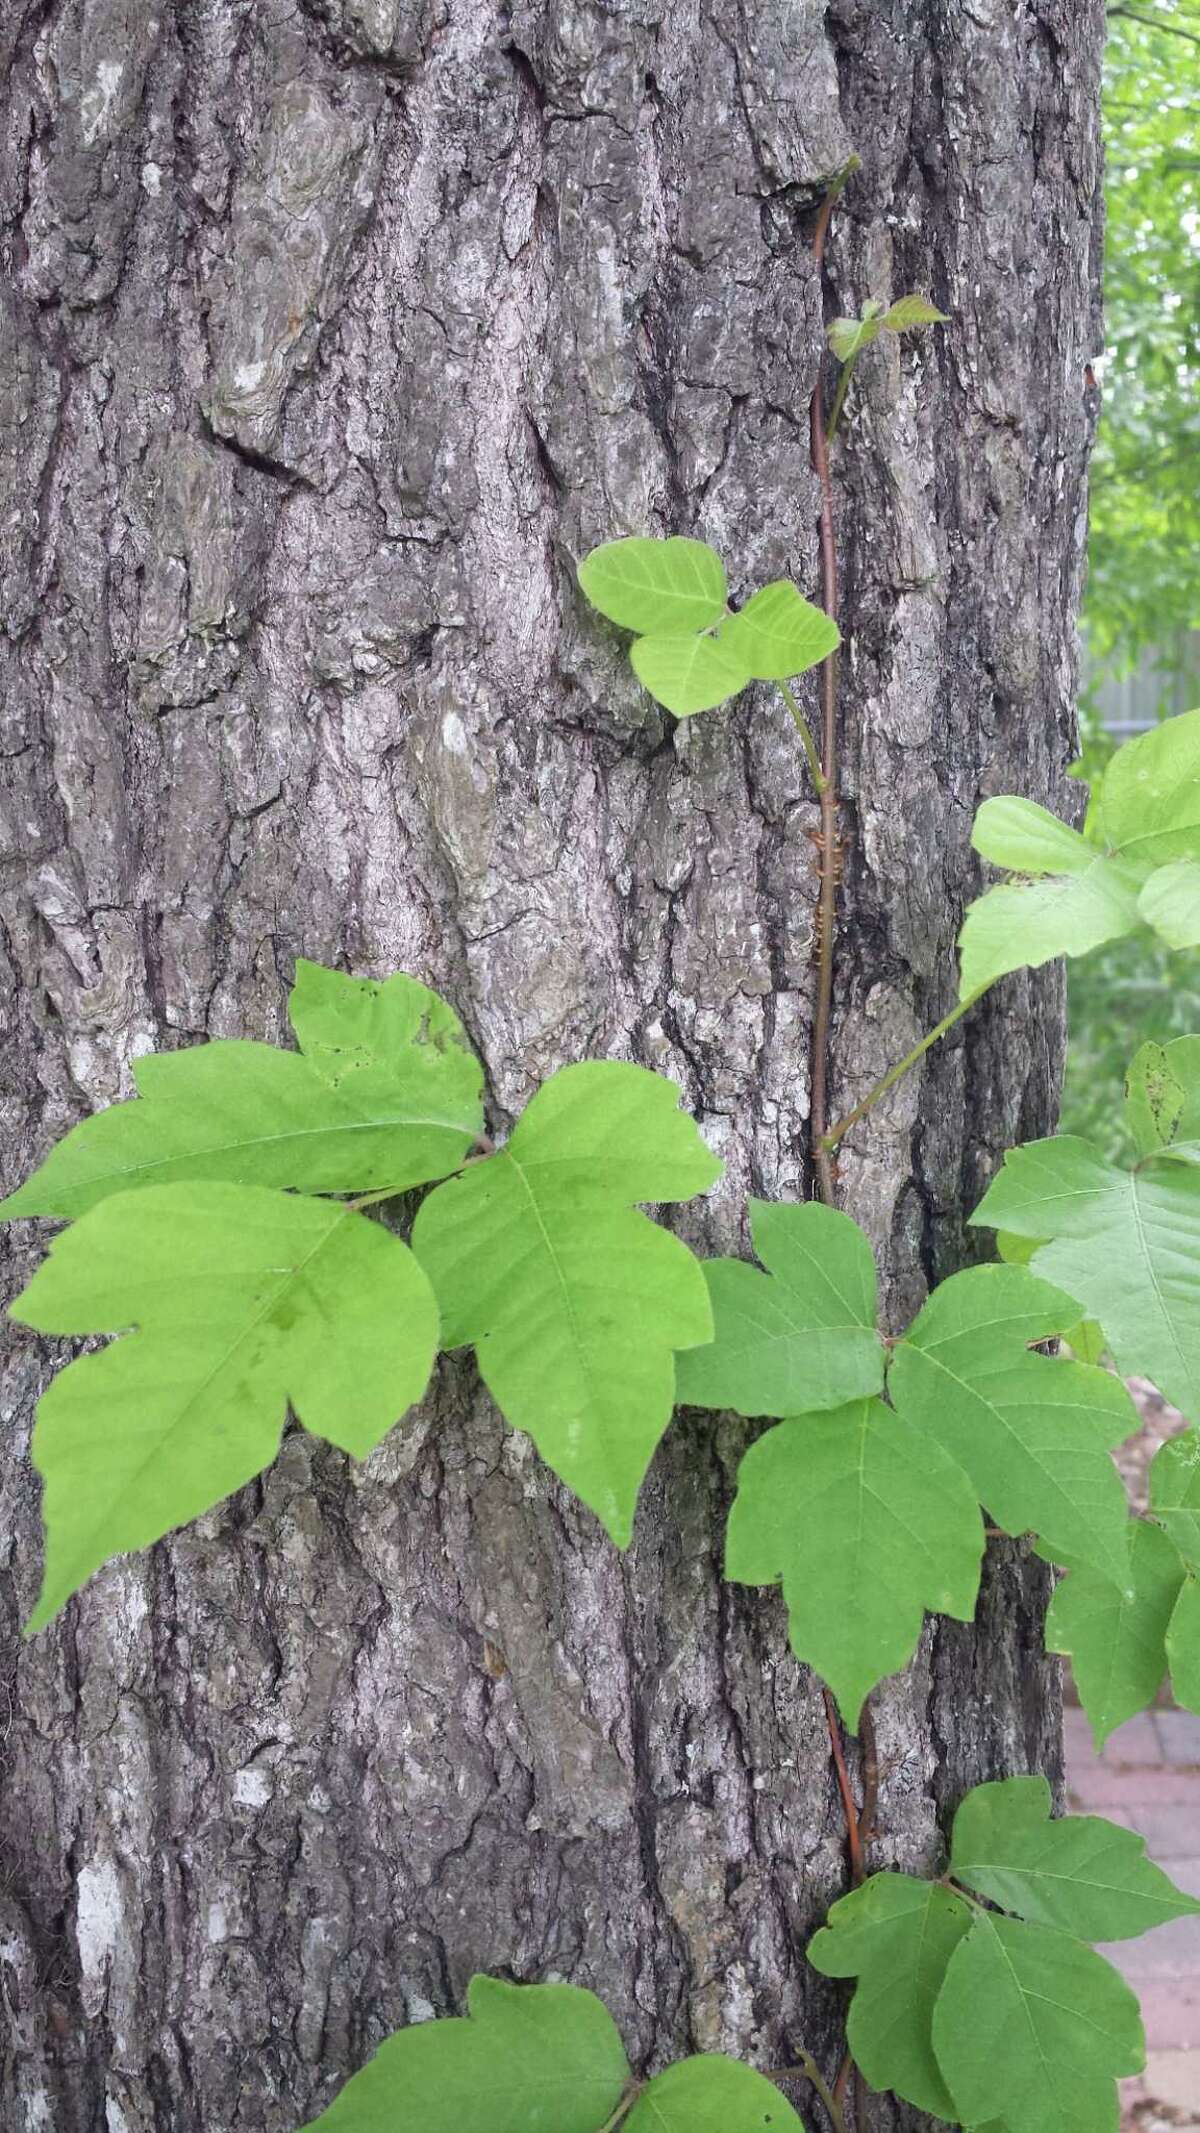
(335, 332)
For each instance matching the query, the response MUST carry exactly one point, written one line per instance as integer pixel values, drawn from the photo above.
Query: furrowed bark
(333, 334)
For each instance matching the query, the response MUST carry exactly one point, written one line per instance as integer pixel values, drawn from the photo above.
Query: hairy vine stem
(859, 1821)
(827, 787)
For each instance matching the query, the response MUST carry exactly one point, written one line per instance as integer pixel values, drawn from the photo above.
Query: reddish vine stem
(859, 1821)
(828, 791)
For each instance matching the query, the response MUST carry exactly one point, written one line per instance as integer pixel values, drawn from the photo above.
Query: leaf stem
(896, 1073)
(628, 2097)
(839, 399)
(805, 731)
(807, 2066)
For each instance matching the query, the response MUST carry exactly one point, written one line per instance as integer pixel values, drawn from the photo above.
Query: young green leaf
(1085, 1339)
(574, 1301)
(849, 336)
(1170, 903)
(1033, 1432)
(1125, 1244)
(1031, 2020)
(1086, 1876)
(525, 2059)
(1154, 1097)
(778, 634)
(1150, 802)
(711, 2094)
(392, 1101)
(1027, 839)
(654, 586)
(1115, 1636)
(868, 1524)
(1019, 926)
(688, 674)
(233, 1291)
(1175, 1493)
(799, 1338)
(1183, 1645)
(896, 1936)
(910, 311)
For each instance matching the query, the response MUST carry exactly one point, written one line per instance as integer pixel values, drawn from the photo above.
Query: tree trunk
(336, 332)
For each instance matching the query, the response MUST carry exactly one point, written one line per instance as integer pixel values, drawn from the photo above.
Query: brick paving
(1148, 1778)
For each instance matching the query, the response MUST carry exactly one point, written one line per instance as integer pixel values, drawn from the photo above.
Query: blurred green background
(1142, 611)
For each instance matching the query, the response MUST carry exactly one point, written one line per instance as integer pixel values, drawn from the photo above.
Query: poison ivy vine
(225, 1226)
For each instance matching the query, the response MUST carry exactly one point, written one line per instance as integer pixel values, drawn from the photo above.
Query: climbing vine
(223, 1225)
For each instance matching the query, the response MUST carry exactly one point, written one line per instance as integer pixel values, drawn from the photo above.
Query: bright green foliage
(1144, 540)
(1029, 2019)
(1148, 817)
(1125, 1244)
(868, 1524)
(1031, 1431)
(527, 2059)
(656, 587)
(1028, 839)
(243, 1300)
(1156, 1093)
(575, 1302)
(711, 2094)
(1021, 926)
(1115, 1636)
(961, 2011)
(799, 1338)
(778, 633)
(849, 336)
(688, 674)
(1086, 1876)
(1150, 795)
(673, 594)
(1183, 1645)
(1085, 1340)
(896, 1936)
(1170, 903)
(1175, 1493)
(386, 1093)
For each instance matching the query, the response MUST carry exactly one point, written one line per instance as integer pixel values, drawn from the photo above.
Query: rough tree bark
(336, 331)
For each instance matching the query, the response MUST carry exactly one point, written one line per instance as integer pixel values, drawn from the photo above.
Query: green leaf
(1030, 2015)
(778, 634)
(910, 311)
(797, 1339)
(233, 1291)
(1150, 805)
(1175, 1493)
(1032, 1431)
(1170, 903)
(1183, 1645)
(1081, 1874)
(896, 1936)
(1019, 926)
(526, 2059)
(849, 336)
(1125, 1244)
(574, 1301)
(654, 586)
(711, 2094)
(1154, 1098)
(868, 1524)
(688, 674)
(1114, 1636)
(1027, 839)
(1085, 1340)
(386, 1095)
